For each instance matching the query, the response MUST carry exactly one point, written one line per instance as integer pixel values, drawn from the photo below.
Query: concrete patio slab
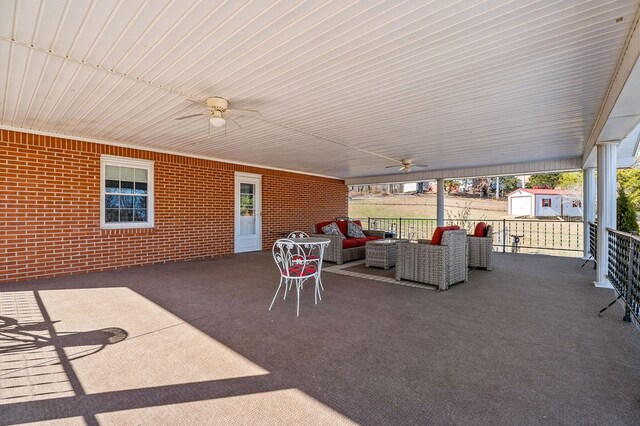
(194, 343)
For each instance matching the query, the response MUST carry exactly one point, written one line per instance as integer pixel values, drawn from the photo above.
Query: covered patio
(511, 345)
(151, 152)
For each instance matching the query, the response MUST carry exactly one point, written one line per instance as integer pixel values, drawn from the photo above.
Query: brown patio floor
(521, 344)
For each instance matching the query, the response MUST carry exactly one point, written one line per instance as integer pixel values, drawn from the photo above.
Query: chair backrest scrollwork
(287, 254)
(298, 234)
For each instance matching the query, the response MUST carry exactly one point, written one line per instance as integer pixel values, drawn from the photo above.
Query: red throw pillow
(436, 239)
(342, 226)
(481, 230)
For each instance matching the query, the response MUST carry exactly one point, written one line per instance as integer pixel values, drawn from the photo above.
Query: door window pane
(246, 188)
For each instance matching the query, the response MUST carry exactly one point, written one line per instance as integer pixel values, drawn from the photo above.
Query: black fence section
(530, 234)
(593, 240)
(624, 270)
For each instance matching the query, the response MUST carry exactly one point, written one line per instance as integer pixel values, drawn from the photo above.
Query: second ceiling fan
(407, 165)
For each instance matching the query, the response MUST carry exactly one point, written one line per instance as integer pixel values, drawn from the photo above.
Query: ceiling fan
(407, 165)
(219, 113)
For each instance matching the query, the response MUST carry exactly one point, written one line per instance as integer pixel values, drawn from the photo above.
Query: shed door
(521, 206)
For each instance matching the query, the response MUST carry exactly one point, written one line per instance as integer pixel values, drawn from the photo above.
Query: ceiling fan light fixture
(217, 121)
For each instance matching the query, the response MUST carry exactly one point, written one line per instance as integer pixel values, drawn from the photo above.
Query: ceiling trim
(472, 172)
(625, 65)
(159, 150)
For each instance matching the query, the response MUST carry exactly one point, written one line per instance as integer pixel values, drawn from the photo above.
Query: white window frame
(110, 160)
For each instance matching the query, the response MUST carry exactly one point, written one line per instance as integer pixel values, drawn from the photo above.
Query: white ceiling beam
(472, 172)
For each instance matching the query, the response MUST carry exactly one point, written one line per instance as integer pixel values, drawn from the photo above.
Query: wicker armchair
(480, 251)
(334, 251)
(441, 265)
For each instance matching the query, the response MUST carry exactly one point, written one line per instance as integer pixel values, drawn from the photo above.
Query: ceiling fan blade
(232, 124)
(245, 112)
(391, 167)
(196, 101)
(188, 116)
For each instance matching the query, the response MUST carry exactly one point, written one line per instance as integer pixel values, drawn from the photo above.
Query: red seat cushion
(481, 230)
(353, 242)
(436, 239)
(309, 257)
(302, 270)
(374, 237)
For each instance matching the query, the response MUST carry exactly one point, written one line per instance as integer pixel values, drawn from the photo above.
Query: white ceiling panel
(345, 88)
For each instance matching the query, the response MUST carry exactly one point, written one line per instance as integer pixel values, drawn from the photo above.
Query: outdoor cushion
(374, 237)
(302, 270)
(481, 230)
(320, 225)
(436, 240)
(309, 257)
(354, 230)
(332, 229)
(342, 226)
(353, 242)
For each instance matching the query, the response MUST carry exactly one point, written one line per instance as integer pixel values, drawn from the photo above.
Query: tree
(629, 179)
(546, 180)
(626, 212)
(451, 185)
(509, 184)
(571, 181)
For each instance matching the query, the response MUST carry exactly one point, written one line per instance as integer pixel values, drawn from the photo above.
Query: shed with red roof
(544, 203)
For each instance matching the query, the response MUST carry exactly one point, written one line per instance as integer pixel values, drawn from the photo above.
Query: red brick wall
(50, 208)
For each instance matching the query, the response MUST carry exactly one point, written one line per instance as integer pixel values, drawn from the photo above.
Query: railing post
(368, 223)
(400, 227)
(504, 235)
(627, 296)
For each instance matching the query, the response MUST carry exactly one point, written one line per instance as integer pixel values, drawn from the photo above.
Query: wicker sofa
(480, 251)
(440, 265)
(342, 250)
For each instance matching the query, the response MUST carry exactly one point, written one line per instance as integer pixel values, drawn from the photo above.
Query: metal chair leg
(276, 295)
(287, 286)
(298, 306)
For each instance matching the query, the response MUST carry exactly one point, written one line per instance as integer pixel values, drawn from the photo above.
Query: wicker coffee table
(381, 253)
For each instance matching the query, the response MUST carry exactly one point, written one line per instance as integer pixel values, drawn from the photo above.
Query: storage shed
(544, 203)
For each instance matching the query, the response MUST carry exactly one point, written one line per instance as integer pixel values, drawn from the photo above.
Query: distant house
(544, 203)
(410, 187)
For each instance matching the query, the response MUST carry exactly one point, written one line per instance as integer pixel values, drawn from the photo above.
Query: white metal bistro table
(311, 243)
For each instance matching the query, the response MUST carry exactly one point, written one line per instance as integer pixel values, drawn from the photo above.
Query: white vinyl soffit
(344, 89)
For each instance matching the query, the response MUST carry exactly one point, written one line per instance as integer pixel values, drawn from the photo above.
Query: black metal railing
(553, 235)
(624, 270)
(593, 239)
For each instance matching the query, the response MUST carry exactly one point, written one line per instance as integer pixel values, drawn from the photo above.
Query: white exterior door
(248, 212)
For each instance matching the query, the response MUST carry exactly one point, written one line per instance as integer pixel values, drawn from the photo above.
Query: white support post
(498, 188)
(606, 207)
(588, 205)
(440, 202)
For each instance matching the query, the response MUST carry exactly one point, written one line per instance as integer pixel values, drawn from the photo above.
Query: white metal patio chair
(294, 268)
(311, 258)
